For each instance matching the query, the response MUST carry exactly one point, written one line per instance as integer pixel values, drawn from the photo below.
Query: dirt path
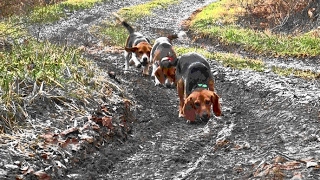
(265, 117)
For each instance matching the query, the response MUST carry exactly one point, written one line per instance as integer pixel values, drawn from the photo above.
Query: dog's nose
(205, 117)
(144, 61)
(139, 65)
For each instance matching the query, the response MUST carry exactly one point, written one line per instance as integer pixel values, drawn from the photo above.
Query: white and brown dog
(137, 48)
(164, 59)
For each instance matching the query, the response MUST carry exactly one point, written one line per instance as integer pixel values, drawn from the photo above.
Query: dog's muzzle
(144, 62)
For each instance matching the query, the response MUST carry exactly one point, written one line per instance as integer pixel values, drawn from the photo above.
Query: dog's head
(199, 103)
(142, 51)
(162, 73)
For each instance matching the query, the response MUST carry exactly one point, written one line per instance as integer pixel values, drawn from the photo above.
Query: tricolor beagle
(195, 86)
(164, 59)
(137, 48)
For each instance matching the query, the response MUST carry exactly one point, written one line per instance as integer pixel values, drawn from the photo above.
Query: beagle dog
(195, 86)
(164, 59)
(137, 48)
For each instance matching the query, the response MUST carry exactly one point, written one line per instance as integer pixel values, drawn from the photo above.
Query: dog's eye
(197, 104)
(207, 102)
(140, 52)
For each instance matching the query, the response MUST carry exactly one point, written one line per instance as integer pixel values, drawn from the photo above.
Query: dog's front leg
(154, 68)
(180, 89)
(126, 61)
(145, 70)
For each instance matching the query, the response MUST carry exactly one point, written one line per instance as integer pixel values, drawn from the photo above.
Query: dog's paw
(157, 84)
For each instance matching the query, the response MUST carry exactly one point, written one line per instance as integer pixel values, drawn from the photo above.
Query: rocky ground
(269, 128)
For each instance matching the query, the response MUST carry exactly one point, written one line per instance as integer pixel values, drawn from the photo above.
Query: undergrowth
(54, 12)
(218, 21)
(115, 34)
(31, 64)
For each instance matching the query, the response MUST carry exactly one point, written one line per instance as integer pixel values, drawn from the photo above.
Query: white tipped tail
(182, 35)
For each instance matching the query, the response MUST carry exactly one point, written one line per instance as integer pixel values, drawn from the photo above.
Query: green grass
(111, 33)
(227, 59)
(10, 29)
(237, 62)
(51, 13)
(115, 34)
(133, 13)
(30, 63)
(208, 24)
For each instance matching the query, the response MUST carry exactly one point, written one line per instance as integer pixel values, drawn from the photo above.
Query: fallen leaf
(41, 175)
(105, 109)
(44, 156)
(27, 171)
(69, 141)
(279, 159)
(107, 122)
(70, 130)
(89, 139)
(291, 165)
(49, 137)
(264, 171)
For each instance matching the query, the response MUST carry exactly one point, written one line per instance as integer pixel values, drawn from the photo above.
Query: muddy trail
(269, 128)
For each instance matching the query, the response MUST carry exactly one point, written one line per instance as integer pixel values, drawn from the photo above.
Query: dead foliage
(279, 15)
(282, 167)
(20, 7)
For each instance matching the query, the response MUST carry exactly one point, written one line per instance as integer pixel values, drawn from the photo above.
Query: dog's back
(193, 69)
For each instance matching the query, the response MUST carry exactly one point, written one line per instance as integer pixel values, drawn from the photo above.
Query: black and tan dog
(164, 59)
(195, 86)
(137, 48)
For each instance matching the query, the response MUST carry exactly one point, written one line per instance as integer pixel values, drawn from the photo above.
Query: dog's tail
(180, 35)
(124, 23)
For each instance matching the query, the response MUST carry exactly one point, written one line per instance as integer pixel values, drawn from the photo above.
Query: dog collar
(170, 59)
(197, 86)
(202, 85)
(167, 58)
(167, 62)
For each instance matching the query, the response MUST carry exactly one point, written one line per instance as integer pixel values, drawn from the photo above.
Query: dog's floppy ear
(132, 49)
(189, 111)
(159, 74)
(215, 104)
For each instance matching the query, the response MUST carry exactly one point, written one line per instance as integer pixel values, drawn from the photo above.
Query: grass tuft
(227, 59)
(115, 34)
(237, 62)
(216, 21)
(133, 13)
(31, 64)
(54, 12)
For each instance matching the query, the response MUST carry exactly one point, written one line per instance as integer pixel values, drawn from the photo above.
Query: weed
(51, 13)
(32, 64)
(133, 13)
(219, 25)
(114, 34)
